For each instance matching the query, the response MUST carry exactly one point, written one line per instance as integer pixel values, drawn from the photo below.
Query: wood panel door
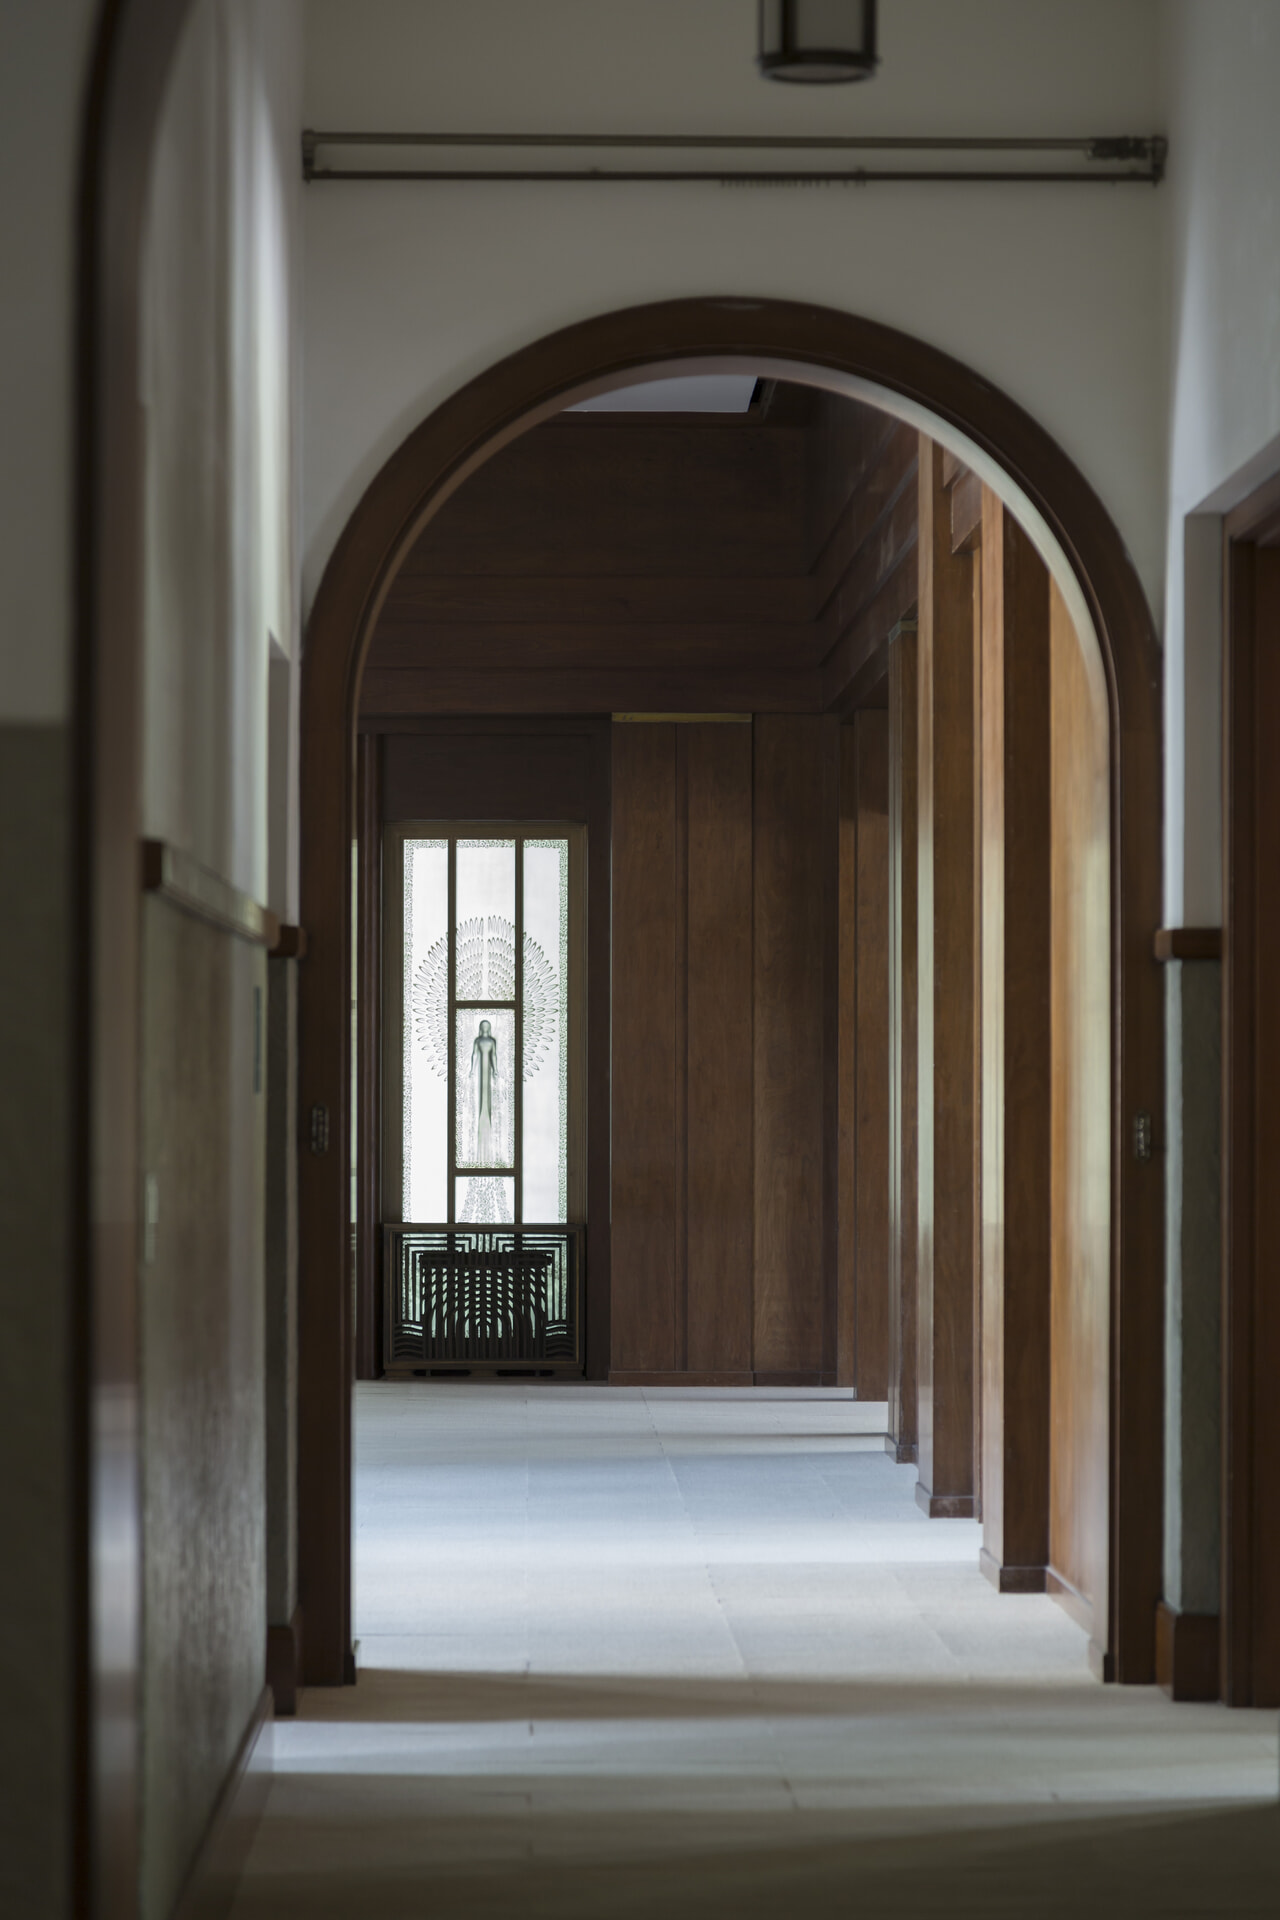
(796, 1085)
(682, 1053)
(1250, 1616)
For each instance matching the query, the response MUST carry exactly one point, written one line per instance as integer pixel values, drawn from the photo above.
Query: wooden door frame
(1248, 1355)
(471, 426)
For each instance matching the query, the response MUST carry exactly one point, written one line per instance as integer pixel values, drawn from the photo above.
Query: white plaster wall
(218, 381)
(1222, 82)
(44, 56)
(218, 385)
(1054, 293)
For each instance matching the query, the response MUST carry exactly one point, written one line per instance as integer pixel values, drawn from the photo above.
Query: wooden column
(864, 1055)
(1081, 1277)
(903, 1012)
(947, 1000)
(1016, 1100)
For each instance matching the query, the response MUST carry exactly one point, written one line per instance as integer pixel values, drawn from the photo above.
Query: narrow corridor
(637, 1651)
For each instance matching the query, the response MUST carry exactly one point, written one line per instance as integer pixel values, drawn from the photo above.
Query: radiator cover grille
(482, 1296)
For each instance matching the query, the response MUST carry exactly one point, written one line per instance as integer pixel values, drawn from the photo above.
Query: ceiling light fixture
(818, 40)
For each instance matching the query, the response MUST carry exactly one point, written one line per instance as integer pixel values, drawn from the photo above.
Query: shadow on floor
(371, 1865)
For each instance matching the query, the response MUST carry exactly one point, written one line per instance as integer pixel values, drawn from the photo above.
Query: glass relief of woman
(484, 1076)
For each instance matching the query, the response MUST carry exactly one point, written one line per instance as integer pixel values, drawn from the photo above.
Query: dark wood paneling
(904, 728)
(871, 1286)
(947, 1007)
(640, 599)
(644, 1304)
(1016, 1052)
(628, 498)
(490, 769)
(1250, 1632)
(791, 1040)
(461, 689)
(719, 1048)
(1080, 1301)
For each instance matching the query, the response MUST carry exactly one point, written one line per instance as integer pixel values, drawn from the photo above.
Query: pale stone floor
(633, 1652)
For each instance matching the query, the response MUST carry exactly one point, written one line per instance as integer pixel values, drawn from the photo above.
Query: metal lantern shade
(818, 40)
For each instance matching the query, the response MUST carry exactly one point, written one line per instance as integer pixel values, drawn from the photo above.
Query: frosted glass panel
(485, 1200)
(425, 1184)
(485, 1112)
(486, 920)
(545, 1127)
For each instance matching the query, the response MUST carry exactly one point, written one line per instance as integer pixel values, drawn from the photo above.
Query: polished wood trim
(1188, 943)
(1187, 1650)
(193, 889)
(1250, 1593)
(368, 1119)
(291, 942)
(945, 1506)
(1010, 1579)
(432, 463)
(284, 1664)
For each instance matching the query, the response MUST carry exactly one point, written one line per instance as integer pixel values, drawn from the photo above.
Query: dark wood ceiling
(661, 562)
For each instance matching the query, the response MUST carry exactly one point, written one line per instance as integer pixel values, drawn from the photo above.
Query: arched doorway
(1092, 571)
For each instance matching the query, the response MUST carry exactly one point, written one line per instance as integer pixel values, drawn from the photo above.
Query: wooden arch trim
(468, 429)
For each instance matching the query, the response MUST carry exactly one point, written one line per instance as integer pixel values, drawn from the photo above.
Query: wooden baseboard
(1006, 1579)
(903, 1451)
(777, 1378)
(944, 1506)
(1187, 1653)
(284, 1664)
(629, 1377)
(211, 1885)
(625, 1377)
(1079, 1606)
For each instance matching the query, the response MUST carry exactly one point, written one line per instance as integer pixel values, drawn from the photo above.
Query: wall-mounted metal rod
(1110, 159)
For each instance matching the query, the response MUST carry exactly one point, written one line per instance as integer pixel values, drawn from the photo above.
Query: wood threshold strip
(1188, 943)
(193, 889)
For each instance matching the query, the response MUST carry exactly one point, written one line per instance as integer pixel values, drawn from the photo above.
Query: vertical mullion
(517, 1064)
(451, 1036)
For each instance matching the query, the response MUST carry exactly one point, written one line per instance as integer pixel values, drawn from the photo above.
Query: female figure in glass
(484, 1072)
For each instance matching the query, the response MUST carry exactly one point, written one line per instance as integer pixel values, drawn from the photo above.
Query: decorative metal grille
(482, 1296)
